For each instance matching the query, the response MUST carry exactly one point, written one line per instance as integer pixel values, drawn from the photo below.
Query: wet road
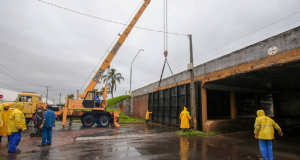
(165, 145)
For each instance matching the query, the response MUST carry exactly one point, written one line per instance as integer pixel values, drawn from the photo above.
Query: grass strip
(124, 118)
(115, 100)
(192, 132)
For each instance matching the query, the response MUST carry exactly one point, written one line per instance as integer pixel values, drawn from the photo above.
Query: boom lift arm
(85, 108)
(114, 51)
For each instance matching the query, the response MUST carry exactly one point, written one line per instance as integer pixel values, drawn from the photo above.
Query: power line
(107, 20)
(233, 47)
(241, 37)
(25, 81)
(107, 51)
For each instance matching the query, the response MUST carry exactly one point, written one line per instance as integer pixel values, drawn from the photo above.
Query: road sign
(1, 96)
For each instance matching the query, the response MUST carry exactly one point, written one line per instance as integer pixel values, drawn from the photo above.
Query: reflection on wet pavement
(166, 145)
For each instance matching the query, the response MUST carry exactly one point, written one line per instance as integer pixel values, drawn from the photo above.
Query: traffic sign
(1, 96)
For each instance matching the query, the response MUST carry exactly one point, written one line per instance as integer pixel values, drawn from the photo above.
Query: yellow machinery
(32, 102)
(86, 108)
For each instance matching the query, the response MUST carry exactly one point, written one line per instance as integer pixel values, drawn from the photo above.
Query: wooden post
(204, 104)
(233, 108)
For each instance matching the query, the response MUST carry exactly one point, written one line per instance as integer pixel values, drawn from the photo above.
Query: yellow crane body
(86, 108)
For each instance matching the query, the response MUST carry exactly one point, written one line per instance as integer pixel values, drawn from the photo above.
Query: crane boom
(114, 51)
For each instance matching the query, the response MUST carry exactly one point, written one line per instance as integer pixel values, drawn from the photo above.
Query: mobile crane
(86, 108)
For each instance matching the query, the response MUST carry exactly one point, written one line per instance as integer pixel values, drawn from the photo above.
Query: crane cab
(93, 99)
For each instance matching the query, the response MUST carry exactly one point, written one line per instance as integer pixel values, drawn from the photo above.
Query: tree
(71, 96)
(102, 89)
(113, 77)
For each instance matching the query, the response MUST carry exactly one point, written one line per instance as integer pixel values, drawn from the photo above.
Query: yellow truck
(31, 102)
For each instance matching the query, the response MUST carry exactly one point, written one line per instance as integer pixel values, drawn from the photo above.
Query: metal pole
(192, 85)
(60, 98)
(130, 78)
(77, 94)
(47, 92)
(131, 68)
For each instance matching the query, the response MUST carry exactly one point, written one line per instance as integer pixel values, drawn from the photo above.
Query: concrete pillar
(233, 108)
(275, 98)
(256, 102)
(204, 104)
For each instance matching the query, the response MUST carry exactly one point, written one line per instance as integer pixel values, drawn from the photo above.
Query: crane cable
(166, 43)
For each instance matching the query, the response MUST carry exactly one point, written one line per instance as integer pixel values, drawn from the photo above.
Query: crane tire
(88, 121)
(103, 121)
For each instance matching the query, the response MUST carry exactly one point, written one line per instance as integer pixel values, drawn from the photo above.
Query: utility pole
(47, 92)
(53, 101)
(192, 85)
(77, 93)
(59, 98)
(131, 69)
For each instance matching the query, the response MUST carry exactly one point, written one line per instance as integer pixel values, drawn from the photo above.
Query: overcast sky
(43, 45)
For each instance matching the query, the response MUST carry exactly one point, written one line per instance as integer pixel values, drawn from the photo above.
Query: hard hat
(5, 105)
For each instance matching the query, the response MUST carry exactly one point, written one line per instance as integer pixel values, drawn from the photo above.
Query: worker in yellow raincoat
(147, 116)
(1, 108)
(185, 118)
(264, 131)
(16, 125)
(5, 113)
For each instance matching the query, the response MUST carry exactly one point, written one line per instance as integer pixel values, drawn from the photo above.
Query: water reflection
(184, 150)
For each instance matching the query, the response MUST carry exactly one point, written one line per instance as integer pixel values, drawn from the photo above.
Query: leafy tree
(71, 96)
(95, 89)
(113, 78)
(102, 89)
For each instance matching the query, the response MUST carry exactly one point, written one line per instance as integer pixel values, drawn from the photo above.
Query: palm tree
(113, 77)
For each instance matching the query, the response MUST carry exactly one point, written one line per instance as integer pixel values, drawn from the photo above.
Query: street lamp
(131, 68)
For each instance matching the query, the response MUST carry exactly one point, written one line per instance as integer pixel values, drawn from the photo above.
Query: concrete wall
(126, 103)
(286, 41)
(140, 106)
(228, 125)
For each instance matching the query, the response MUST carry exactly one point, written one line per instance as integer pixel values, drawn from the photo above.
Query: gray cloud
(50, 46)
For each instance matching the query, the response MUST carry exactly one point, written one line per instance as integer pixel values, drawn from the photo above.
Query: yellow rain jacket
(184, 117)
(1, 107)
(17, 119)
(147, 114)
(4, 118)
(1, 122)
(264, 126)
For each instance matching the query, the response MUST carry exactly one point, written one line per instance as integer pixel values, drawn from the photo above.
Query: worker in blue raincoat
(47, 124)
(264, 131)
(97, 101)
(16, 125)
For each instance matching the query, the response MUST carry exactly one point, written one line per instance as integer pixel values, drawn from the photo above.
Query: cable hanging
(165, 6)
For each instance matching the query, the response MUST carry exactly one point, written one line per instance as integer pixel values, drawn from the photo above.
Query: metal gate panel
(155, 107)
(166, 108)
(168, 104)
(150, 109)
(160, 107)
